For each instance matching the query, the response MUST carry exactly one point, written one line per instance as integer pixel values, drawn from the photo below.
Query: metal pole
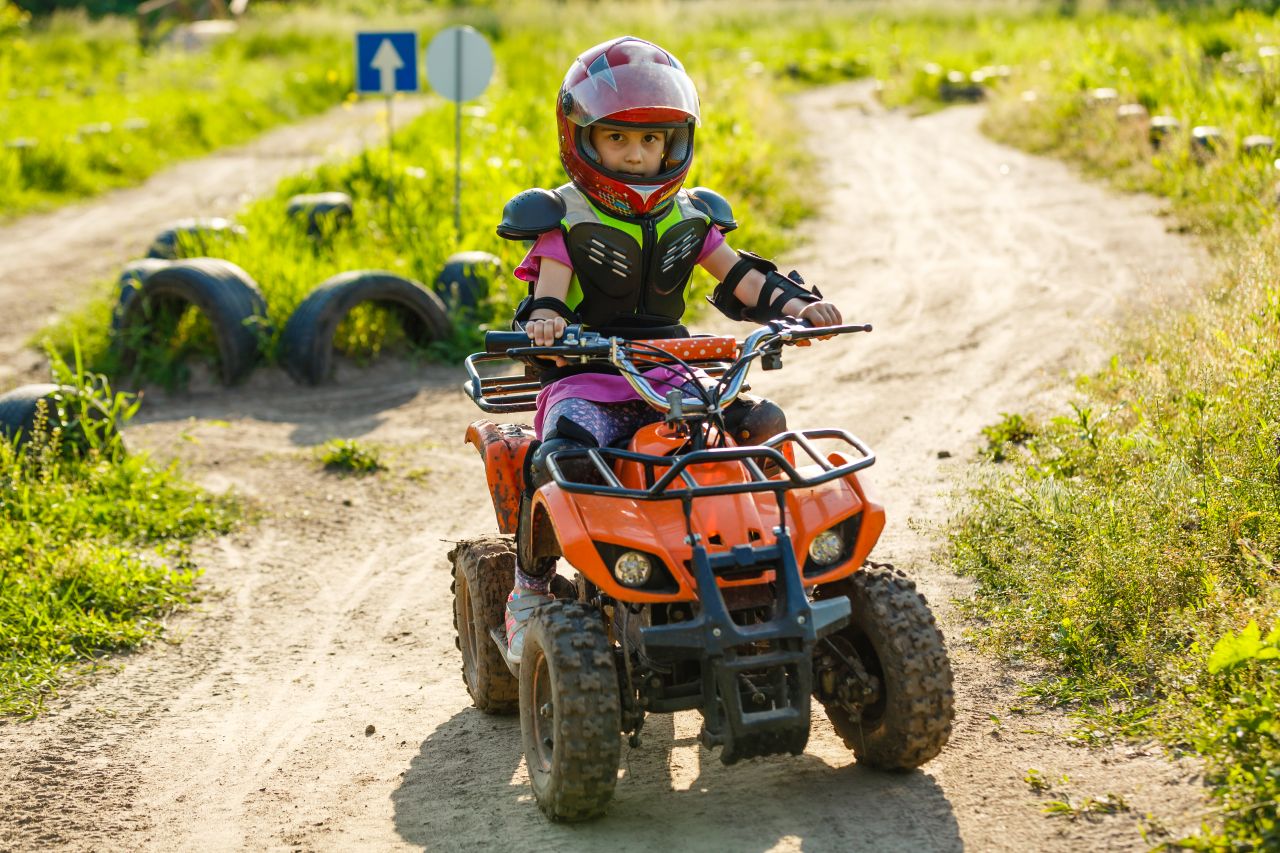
(457, 132)
(391, 161)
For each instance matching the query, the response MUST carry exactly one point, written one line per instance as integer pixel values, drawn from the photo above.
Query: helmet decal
(600, 69)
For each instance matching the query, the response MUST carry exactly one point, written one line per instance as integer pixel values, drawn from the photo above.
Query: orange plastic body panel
(723, 521)
(503, 447)
(697, 349)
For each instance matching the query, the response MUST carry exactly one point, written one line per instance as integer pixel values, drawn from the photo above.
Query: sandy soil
(48, 261)
(989, 275)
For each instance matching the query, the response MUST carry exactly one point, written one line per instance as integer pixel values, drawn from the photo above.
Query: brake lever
(805, 331)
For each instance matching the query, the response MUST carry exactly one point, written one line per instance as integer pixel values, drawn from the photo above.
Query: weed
(348, 456)
(1035, 779)
(1013, 429)
(1105, 805)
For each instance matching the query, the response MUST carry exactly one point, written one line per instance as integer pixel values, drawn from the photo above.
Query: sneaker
(520, 606)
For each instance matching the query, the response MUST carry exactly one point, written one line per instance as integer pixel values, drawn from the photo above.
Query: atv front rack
(753, 458)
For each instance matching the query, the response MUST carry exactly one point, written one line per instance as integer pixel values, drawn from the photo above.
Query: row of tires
(322, 213)
(237, 312)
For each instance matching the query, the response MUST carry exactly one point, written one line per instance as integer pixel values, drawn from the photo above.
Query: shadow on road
(467, 788)
(354, 404)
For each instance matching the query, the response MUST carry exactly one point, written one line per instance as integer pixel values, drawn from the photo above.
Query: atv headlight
(826, 547)
(632, 568)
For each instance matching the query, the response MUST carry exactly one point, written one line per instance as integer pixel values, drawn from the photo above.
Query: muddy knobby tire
(572, 746)
(898, 639)
(483, 574)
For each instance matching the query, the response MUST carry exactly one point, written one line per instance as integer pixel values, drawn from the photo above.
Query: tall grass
(1131, 542)
(94, 541)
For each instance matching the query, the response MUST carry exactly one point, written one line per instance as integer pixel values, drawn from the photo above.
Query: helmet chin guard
(626, 82)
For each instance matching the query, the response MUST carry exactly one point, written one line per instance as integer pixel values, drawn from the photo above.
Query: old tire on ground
(324, 212)
(64, 408)
(898, 642)
(483, 573)
(307, 343)
(570, 716)
(131, 279)
(198, 238)
(466, 278)
(222, 291)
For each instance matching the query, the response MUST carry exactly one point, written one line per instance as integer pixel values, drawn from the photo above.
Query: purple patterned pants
(607, 422)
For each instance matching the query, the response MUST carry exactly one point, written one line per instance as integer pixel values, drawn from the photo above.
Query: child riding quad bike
(712, 576)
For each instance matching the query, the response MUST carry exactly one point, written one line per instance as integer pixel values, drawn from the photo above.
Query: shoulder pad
(531, 213)
(713, 205)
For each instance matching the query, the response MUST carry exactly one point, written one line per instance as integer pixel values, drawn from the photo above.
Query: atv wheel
(907, 718)
(569, 711)
(483, 573)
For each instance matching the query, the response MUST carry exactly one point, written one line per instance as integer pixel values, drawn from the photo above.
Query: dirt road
(47, 261)
(988, 275)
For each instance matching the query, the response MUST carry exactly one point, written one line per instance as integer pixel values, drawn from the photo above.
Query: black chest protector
(629, 267)
(622, 267)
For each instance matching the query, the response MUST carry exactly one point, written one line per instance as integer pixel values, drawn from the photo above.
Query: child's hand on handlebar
(817, 314)
(543, 328)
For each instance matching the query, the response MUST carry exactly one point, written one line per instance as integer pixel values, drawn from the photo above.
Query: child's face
(631, 150)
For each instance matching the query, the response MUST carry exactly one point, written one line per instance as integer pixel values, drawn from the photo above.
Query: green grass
(83, 109)
(348, 456)
(94, 545)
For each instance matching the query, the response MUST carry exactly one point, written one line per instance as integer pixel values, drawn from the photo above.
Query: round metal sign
(459, 63)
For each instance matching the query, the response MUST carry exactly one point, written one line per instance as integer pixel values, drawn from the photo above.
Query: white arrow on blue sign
(386, 63)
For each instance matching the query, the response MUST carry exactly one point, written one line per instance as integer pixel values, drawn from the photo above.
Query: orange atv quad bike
(728, 579)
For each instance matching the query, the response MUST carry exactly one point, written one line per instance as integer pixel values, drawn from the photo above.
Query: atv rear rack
(753, 458)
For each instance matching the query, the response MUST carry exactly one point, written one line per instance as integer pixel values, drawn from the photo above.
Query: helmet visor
(641, 86)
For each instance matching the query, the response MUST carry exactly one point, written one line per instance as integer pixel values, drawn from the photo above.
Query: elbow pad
(775, 293)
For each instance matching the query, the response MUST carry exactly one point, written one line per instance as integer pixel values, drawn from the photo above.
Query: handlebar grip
(499, 342)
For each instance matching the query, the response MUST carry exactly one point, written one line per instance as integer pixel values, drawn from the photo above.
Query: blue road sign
(386, 63)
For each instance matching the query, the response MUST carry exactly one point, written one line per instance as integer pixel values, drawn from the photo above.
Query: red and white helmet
(626, 81)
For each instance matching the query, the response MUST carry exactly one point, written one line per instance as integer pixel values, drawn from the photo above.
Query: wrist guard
(775, 293)
(530, 304)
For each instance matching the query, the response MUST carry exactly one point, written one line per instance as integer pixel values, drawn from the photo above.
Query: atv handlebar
(576, 341)
(581, 346)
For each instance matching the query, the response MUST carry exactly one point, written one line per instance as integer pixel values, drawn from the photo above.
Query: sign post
(459, 65)
(387, 63)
